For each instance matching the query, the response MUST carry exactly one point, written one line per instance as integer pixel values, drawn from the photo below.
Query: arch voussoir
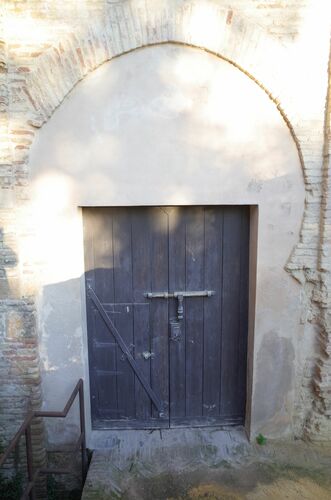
(128, 27)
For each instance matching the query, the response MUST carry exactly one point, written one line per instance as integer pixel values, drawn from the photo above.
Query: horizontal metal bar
(67, 407)
(157, 295)
(176, 294)
(203, 293)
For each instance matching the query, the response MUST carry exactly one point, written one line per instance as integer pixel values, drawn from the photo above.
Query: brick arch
(44, 101)
(127, 28)
(238, 42)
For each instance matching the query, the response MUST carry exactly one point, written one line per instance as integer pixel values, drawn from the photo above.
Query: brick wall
(318, 425)
(46, 47)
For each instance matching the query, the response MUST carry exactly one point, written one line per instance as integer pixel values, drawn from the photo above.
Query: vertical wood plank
(142, 345)
(103, 262)
(103, 255)
(194, 310)
(212, 311)
(177, 257)
(142, 282)
(122, 245)
(105, 373)
(159, 307)
(243, 312)
(230, 311)
(100, 229)
(88, 224)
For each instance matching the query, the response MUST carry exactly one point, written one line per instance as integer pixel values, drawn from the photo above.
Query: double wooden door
(167, 314)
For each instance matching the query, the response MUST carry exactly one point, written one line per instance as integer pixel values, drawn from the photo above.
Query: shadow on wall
(61, 353)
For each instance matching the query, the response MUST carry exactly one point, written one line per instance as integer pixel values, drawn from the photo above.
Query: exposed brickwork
(65, 40)
(318, 426)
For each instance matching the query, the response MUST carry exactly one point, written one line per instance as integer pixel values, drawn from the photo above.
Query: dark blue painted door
(171, 371)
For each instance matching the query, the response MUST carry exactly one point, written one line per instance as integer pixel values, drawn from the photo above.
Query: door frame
(253, 255)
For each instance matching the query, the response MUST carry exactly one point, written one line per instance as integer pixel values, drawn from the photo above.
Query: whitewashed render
(217, 105)
(169, 125)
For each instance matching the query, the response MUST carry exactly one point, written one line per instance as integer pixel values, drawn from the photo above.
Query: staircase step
(148, 454)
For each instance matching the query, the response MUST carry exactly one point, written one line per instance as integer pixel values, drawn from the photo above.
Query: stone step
(143, 465)
(152, 453)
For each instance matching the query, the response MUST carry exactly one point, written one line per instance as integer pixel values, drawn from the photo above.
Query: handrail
(25, 428)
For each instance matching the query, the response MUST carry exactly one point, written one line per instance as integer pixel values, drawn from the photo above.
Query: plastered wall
(159, 126)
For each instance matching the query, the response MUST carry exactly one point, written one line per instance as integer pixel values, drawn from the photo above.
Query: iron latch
(180, 297)
(175, 330)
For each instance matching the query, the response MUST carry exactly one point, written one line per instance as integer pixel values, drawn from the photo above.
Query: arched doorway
(174, 126)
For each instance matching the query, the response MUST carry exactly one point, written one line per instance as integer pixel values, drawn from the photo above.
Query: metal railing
(30, 491)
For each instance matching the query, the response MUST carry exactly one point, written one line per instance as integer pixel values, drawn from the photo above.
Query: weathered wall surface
(46, 47)
(160, 126)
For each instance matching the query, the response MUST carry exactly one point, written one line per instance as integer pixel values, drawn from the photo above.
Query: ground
(232, 469)
(256, 482)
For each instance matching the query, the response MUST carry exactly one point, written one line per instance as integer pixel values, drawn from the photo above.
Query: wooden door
(148, 368)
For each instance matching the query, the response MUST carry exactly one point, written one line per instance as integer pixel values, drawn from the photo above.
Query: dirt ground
(255, 482)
